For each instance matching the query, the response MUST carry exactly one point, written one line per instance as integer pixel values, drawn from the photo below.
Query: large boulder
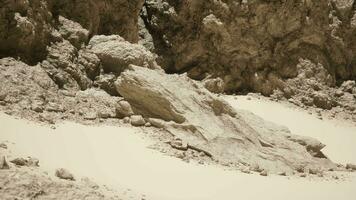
(207, 122)
(116, 54)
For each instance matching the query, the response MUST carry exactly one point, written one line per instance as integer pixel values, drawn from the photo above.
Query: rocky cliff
(253, 45)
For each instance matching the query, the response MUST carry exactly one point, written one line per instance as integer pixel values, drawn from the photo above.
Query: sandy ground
(119, 157)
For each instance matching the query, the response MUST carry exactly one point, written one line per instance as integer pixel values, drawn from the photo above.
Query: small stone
(158, 123)
(126, 120)
(33, 162)
(249, 98)
(137, 120)
(256, 168)
(20, 161)
(351, 167)
(179, 144)
(37, 108)
(148, 124)
(246, 170)
(64, 174)
(3, 146)
(282, 174)
(264, 173)
(3, 163)
(123, 109)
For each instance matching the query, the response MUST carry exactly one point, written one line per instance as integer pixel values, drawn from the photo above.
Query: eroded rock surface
(207, 122)
(253, 45)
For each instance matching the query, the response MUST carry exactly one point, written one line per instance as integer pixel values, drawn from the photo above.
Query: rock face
(253, 45)
(28, 27)
(103, 16)
(207, 122)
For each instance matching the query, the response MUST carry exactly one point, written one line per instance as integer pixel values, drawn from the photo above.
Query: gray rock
(189, 111)
(351, 167)
(123, 109)
(116, 54)
(137, 120)
(20, 161)
(158, 123)
(64, 174)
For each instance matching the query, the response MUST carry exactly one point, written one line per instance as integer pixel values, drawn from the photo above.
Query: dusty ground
(120, 157)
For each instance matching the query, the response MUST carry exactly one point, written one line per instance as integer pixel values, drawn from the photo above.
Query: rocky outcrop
(207, 122)
(27, 27)
(104, 16)
(253, 45)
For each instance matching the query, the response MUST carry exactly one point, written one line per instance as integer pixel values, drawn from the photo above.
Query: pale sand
(119, 157)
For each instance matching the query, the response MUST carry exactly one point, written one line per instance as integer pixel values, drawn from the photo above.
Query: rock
(25, 30)
(64, 174)
(179, 144)
(89, 62)
(3, 146)
(264, 173)
(123, 109)
(90, 116)
(214, 85)
(158, 123)
(137, 120)
(245, 53)
(282, 174)
(20, 161)
(62, 66)
(312, 145)
(348, 86)
(189, 111)
(351, 167)
(116, 54)
(72, 31)
(322, 101)
(127, 120)
(33, 162)
(246, 171)
(103, 17)
(3, 163)
(106, 82)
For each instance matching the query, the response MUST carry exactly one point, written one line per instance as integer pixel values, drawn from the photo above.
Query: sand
(120, 158)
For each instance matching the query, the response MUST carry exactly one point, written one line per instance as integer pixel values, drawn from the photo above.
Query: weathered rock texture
(27, 27)
(29, 92)
(208, 123)
(253, 45)
(116, 54)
